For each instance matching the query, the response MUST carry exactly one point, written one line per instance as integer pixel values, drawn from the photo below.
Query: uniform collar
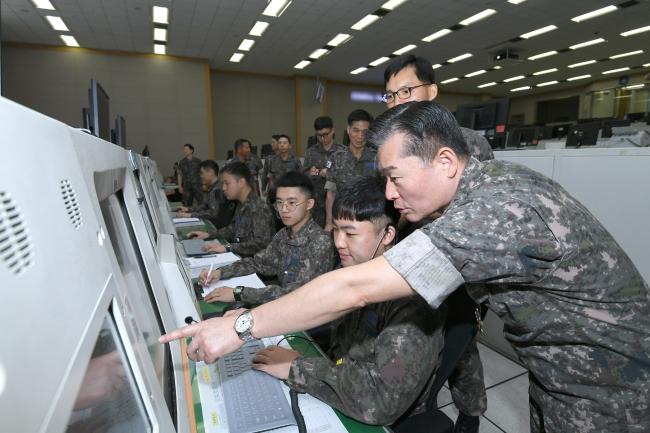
(302, 237)
(470, 180)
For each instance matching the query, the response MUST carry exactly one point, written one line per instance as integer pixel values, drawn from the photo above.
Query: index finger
(185, 331)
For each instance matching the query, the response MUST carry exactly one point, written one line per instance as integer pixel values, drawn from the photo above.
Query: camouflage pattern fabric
(346, 167)
(278, 167)
(467, 384)
(478, 145)
(317, 156)
(192, 185)
(215, 207)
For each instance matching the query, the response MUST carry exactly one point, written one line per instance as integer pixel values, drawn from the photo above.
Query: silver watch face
(244, 322)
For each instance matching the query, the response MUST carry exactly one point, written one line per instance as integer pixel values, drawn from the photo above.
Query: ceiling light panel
(160, 34)
(436, 66)
(459, 58)
(548, 83)
(538, 32)
(359, 70)
(276, 8)
(594, 14)
(450, 80)
(475, 73)
(246, 45)
(613, 71)
(636, 31)
(379, 61)
(57, 23)
(542, 55)
(516, 2)
(518, 77)
(392, 4)
(160, 49)
(545, 71)
(587, 43)
(493, 83)
(436, 35)
(405, 49)
(302, 64)
(585, 63)
(579, 77)
(69, 40)
(259, 28)
(236, 57)
(479, 16)
(160, 15)
(631, 53)
(519, 89)
(317, 54)
(43, 4)
(339, 39)
(364, 22)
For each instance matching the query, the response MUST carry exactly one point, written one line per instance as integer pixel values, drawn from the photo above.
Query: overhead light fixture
(43, 4)
(634, 86)
(518, 77)
(493, 83)
(259, 28)
(160, 34)
(519, 89)
(636, 31)
(586, 62)
(364, 22)
(436, 66)
(69, 40)
(318, 53)
(392, 4)
(516, 2)
(246, 45)
(302, 64)
(613, 71)
(579, 77)
(594, 14)
(405, 49)
(57, 23)
(160, 49)
(479, 16)
(545, 71)
(276, 8)
(379, 61)
(542, 55)
(450, 80)
(236, 57)
(339, 39)
(548, 83)
(436, 35)
(160, 15)
(631, 53)
(359, 70)
(538, 32)
(475, 73)
(647, 65)
(459, 58)
(587, 44)
(497, 67)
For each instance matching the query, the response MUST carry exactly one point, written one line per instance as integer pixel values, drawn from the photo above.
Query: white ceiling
(213, 29)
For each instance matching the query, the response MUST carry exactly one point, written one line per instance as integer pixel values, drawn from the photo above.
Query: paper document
(185, 220)
(251, 280)
(218, 260)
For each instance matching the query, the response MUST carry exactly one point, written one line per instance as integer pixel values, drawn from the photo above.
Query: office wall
(163, 99)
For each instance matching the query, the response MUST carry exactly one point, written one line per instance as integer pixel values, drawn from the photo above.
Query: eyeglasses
(289, 205)
(403, 93)
(324, 134)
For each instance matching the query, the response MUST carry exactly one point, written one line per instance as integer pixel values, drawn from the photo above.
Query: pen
(208, 276)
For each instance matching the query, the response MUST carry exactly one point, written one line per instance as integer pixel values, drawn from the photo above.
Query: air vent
(15, 246)
(71, 203)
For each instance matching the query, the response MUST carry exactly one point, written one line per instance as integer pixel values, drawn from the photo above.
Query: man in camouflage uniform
(298, 253)
(251, 229)
(189, 181)
(381, 357)
(318, 160)
(354, 161)
(264, 174)
(243, 153)
(283, 162)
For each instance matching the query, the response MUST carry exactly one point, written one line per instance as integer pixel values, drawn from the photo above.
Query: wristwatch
(228, 248)
(236, 292)
(244, 325)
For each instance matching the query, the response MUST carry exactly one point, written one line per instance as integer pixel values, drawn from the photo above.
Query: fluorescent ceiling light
(545, 71)
(339, 39)
(516, 2)
(436, 35)
(359, 70)
(634, 86)
(159, 34)
(548, 83)
(541, 55)
(636, 31)
(246, 45)
(43, 4)
(579, 77)
(519, 89)
(404, 50)
(379, 61)
(57, 23)
(518, 77)
(69, 40)
(259, 28)
(613, 71)
(302, 64)
(587, 62)
(594, 14)
(479, 16)
(459, 58)
(436, 66)
(493, 83)
(497, 67)
(475, 73)
(276, 8)
(646, 65)
(236, 57)
(159, 49)
(364, 22)
(631, 53)
(586, 44)
(318, 53)
(392, 4)
(451, 80)
(160, 15)
(538, 32)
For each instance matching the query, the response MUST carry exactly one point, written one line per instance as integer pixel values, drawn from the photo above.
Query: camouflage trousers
(467, 385)
(192, 194)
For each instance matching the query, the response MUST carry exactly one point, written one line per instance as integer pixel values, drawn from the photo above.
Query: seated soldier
(383, 356)
(298, 253)
(215, 206)
(251, 228)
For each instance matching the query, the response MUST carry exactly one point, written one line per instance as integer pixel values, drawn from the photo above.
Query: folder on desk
(194, 247)
(217, 260)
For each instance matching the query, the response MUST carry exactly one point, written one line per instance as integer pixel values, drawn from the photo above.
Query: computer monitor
(98, 110)
(490, 117)
(636, 117)
(85, 118)
(521, 136)
(585, 134)
(120, 131)
(561, 131)
(607, 126)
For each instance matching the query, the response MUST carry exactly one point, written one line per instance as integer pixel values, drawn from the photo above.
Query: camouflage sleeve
(209, 209)
(262, 232)
(330, 183)
(478, 145)
(309, 160)
(253, 296)
(227, 232)
(264, 262)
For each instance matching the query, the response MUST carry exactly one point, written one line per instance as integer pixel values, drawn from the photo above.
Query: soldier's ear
(310, 203)
(389, 236)
(432, 91)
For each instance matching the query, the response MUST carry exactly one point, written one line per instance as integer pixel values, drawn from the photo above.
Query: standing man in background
(189, 180)
(243, 153)
(267, 160)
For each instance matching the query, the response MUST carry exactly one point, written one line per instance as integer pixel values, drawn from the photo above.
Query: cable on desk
(295, 408)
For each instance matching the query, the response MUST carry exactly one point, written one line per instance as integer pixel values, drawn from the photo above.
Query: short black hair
(284, 136)
(294, 179)
(210, 164)
(240, 142)
(323, 122)
(423, 68)
(428, 127)
(359, 115)
(275, 136)
(363, 199)
(188, 145)
(239, 170)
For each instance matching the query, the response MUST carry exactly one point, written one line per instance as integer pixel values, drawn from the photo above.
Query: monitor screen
(584, 134)
(120, 131)
(490, 115)
(100, 123)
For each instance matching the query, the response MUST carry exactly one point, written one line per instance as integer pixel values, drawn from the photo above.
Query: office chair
(460, 329)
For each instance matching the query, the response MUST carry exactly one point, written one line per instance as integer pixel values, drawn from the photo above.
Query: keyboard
(254, 400)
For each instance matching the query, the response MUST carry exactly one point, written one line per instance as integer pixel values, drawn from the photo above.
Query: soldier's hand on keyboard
(275, 361)
(221, 294)
(214, 248)
(198, 234)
